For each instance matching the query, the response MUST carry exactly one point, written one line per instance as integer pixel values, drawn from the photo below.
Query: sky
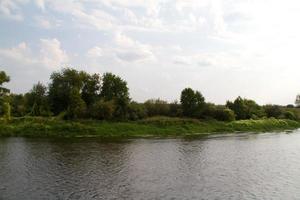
(223, 48)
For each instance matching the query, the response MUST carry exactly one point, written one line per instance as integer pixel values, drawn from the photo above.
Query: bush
(156, 107)
(272, 111)
(136, 111)
(102, 110)
(289, 115)
(224, 114)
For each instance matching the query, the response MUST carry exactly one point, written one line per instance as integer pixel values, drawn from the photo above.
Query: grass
(151, 127)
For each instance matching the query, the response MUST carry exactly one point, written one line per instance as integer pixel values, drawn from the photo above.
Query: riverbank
(152, 127)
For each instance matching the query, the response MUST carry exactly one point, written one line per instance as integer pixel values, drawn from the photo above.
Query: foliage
(102, 110)
(297, 101)
(115, 89)
(37, 101)
(77, 107)
(192, 103)
(156, 107)
(224, 114)
(18, 107)
(62, 87)
(289, 115)
(91, 89)
(6, 111)
(3, 79)
(136, 111)
(245, 108)
(273, 111)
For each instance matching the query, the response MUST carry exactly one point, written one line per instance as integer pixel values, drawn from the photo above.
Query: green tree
(62, 87)
(224, 114)
(77, 107)
(239, 107)
(155, 107)
(91, 89)
(6, 111)
(115, 89)
(273, 111)
(4, 104)
(297, 101)
(18, 107)
(136, 111)
(3, 79)
(37, 101)
(102, 110)
(192, 103)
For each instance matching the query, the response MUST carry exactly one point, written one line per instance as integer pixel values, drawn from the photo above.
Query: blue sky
(224, 48)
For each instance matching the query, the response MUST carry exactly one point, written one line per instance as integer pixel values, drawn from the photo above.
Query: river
(244, 166)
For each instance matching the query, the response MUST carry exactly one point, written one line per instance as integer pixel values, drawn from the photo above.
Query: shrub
(224, 114)
(289, 115)
(155, 107)
(272, 111)
(136, 111)
(102, 110)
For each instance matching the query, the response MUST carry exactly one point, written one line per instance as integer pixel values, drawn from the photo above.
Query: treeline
(73, 94)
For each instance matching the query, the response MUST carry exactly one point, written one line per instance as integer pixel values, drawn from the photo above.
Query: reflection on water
(246, 166)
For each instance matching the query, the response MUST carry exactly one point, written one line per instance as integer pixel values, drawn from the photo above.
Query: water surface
(246, 166)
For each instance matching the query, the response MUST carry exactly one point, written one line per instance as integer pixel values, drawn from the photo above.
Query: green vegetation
(76, 103)
(150, 127)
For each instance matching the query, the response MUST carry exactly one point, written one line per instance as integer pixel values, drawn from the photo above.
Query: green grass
(151, 127)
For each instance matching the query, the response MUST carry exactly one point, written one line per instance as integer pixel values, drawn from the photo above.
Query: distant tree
(102, 110)
(136, 111)
(115, 89)
(62, 87)
(239, 108)
(156, 107)
(245, 108)
(290, 106)
(77, 107)
(224, 114)
(289, 115)
(91, 89)
(4, 100)
(18, 106)
(297, 101)
(192, 103)
(175, 109)
(37, 101)
(3, 79)
(273, 111)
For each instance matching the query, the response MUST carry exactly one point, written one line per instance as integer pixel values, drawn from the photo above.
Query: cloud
(124, 49)
(26, 66)
(52, 54)
(11, 9)
(95, 52)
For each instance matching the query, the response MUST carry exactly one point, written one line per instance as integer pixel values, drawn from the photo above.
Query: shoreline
(157, 127)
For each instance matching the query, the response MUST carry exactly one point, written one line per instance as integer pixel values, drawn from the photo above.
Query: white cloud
(51, 53)
(95, 52)
(124, 49)
(11, 9)
(40, 4)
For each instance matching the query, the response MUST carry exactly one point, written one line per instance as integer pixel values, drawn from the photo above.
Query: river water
(244, 166)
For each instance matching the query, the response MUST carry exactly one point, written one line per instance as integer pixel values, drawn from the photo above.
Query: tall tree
(115, 89)
(91, 89)
(3, 79)
(4, 104)
(37, 101)
(297, 101)
(192, 103)
(62, 87)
